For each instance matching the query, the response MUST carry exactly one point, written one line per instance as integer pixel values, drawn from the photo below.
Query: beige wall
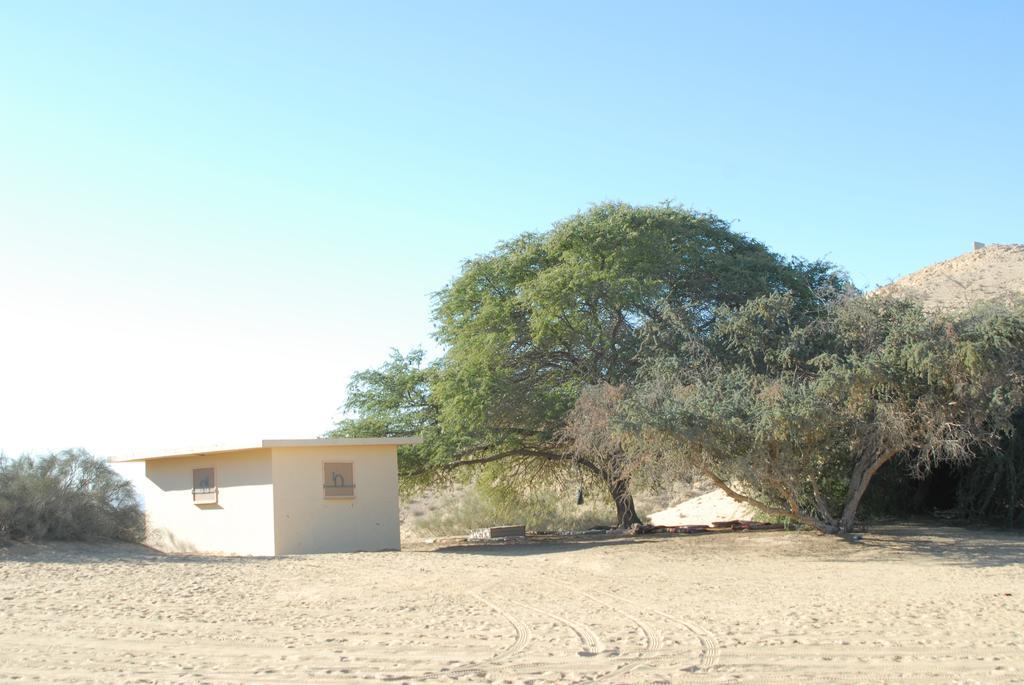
(242, 521)
(306, 522)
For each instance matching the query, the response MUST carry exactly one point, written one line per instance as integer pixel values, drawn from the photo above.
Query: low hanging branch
(761, 506)
(507, 454)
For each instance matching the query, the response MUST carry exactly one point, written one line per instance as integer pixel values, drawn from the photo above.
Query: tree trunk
(625, 510)
(859, 480)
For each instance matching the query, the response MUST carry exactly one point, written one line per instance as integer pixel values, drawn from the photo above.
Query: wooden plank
(498, 532)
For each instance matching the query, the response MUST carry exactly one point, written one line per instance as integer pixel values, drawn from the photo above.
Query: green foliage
(992, 487)
(394, 400)
(69, 495)
(390, 401)
(527, 326)
(803, 406)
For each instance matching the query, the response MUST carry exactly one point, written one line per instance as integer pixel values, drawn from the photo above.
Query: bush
(69, 495)
(540, 509)
(992, 488)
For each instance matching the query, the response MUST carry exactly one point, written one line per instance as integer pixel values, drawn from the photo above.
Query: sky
(212, 214)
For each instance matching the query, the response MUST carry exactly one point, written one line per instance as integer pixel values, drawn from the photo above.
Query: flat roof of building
(314, 442)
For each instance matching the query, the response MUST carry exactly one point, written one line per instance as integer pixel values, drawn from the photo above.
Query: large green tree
(529, 325)
(794, 411)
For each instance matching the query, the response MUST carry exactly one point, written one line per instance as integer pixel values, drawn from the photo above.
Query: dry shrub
(548, 508)
(69, 495)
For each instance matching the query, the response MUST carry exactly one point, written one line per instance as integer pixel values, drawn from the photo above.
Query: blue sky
(212, 213)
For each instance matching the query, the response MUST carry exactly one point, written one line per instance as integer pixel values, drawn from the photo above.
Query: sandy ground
(906, 604)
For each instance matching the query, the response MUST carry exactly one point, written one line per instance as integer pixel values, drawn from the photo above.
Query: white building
(282, 497)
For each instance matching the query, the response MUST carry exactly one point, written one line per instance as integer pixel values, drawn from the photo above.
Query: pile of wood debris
(716, 527)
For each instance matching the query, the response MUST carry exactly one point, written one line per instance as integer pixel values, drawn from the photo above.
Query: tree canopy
(526, 327)
(794, 410)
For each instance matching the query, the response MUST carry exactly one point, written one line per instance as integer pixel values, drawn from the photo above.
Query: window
(204, 486)
(338, 481)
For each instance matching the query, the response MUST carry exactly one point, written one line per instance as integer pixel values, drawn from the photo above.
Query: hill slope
(994, 272)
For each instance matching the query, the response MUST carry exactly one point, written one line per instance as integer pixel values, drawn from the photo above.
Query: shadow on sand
(106, 552)
(960, 545)
(944, 544)
(546, 544)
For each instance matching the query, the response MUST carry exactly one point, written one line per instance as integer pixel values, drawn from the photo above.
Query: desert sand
(905, 604)
(703, 509)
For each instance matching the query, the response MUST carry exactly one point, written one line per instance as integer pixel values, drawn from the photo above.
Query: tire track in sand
(592, 643)
(653, 640)
(710, 648)
(522, 638)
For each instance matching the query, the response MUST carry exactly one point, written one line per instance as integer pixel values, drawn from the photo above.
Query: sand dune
(703, 509)
(905, 605)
